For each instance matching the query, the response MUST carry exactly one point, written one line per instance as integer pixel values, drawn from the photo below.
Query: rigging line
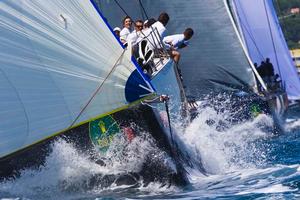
(142, 14)
(169, 121)
(271, 34)
(173, 149)
(248, 31)
(147, 38)
(141, 5)
(98, 89)
(172, 146)
(121, 7)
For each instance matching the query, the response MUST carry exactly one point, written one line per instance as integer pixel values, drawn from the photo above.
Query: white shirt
(124, 33)
(176, 41)
(134, 37)
(154, 39)
(160, 28)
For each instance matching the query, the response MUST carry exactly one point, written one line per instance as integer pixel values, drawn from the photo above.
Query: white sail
(264, 39)
(60, 65)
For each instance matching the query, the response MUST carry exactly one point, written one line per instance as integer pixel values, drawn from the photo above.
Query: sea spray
(68, 170)
(126, 156)
(224, 146)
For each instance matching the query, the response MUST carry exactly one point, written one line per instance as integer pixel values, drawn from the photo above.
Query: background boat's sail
(264, 38)
(54, 55)
(215, 58)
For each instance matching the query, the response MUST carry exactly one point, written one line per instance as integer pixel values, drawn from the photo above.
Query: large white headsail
(54, 55)
(264, 39)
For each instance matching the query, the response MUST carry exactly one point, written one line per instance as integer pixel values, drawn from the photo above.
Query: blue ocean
(243, 161)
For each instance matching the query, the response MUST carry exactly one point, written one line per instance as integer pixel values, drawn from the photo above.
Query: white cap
(117, 29)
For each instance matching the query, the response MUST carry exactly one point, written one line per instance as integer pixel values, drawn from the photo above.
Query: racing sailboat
(218, 59)
(263, 37)
(64, 73)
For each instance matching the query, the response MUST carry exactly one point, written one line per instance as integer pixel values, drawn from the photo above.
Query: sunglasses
(139, 26)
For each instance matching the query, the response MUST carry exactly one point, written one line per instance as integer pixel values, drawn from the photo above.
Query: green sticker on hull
(255, 110)
(102, 132)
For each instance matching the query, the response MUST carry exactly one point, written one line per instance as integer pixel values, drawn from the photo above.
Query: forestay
(264, 38)
(54, 56)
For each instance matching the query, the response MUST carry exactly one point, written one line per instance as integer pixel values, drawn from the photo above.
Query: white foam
(66, 169)
(292, 124)
(125, 156)
(277, 188)
(156, 188)
(228, 149)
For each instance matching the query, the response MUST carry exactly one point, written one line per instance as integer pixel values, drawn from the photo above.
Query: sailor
(149, 22)
(136, 34)
(268, 73)
(178, 41)
(160, 24)
(269, 68)
(117, 31)
(275, 82)
(156, 31)
(126, 29)
(262, 69)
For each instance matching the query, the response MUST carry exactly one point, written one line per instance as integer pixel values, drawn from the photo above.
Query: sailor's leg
(176, 56)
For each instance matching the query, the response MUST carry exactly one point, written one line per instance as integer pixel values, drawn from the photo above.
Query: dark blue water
(245, 161)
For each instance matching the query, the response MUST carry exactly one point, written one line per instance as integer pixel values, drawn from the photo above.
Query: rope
(160, 99)
(143, 9)
(144, 16)
(169, 121)
(98, 89)
(269, 24)
(147, 102)
(121, 7)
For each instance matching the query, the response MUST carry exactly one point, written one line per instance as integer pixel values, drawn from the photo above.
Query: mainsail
(263, 37)
(60, 66)
(215, 59)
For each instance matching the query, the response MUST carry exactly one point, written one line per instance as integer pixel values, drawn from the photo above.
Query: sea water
(243, 161)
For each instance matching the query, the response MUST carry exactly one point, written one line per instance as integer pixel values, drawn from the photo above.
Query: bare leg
(176, 56)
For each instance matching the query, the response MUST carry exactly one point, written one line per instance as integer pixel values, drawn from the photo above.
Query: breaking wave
(226, 149)
(242, 160)
(69, 173)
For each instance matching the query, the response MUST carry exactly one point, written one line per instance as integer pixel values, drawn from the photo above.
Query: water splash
(224, 146)
(236, 155)
(69, 172)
